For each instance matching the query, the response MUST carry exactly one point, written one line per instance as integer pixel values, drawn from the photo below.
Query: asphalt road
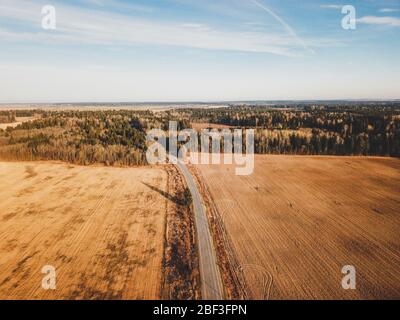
(211, 284)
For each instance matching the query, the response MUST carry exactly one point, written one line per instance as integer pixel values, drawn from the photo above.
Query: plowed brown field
(297, 220)
(101, 228)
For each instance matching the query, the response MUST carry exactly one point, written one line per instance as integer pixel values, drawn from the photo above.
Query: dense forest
(82, 137)
(118, 137)
(313, 130)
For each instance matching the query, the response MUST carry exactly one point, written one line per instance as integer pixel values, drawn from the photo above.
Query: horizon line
(201, 101)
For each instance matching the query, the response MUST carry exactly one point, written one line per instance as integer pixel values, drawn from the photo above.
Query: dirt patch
(30, 172)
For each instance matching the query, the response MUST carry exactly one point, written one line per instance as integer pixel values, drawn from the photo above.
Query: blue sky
(198, 50)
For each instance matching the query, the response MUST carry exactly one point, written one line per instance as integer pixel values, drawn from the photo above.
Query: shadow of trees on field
(177, 200)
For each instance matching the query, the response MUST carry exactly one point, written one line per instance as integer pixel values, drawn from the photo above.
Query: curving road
(211, 284)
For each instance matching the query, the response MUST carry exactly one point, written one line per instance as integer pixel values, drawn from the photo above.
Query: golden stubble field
(297, 220)
(101, 228)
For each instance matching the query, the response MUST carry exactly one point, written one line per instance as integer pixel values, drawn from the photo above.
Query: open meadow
(297, 220)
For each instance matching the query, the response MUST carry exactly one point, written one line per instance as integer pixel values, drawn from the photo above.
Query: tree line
(118, 137)
(331, 130)
(112, 138)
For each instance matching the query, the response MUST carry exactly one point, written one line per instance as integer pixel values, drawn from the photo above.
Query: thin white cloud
(196, 26)
(287, 27)
(385, 21)
(331, 6)
(81, 26)
(386, 10)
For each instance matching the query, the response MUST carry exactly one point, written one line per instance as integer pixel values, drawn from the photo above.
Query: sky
(198, 50)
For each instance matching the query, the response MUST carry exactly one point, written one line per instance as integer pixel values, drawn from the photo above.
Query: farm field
(204, 125)
(297, 220)
(19, 120)
(101, 228)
